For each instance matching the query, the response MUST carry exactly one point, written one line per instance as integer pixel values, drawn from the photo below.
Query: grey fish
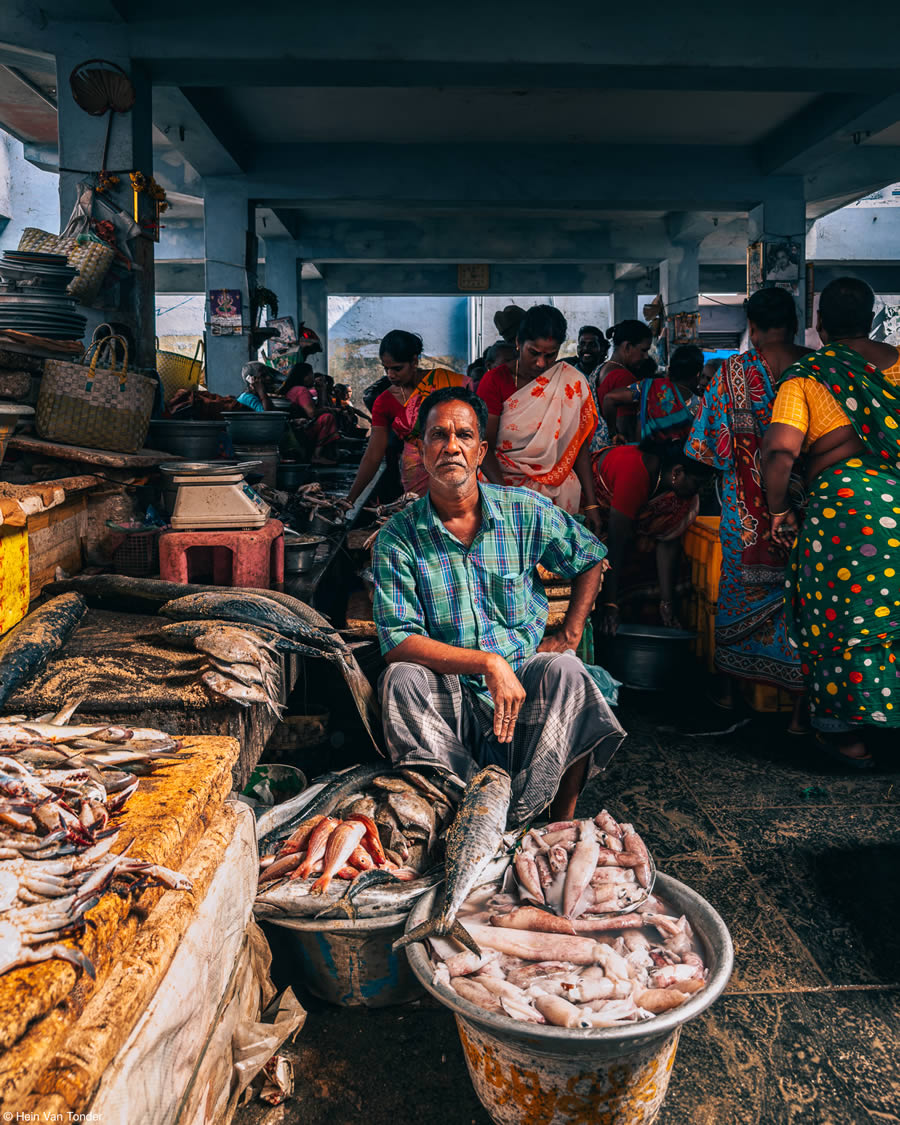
(244, 694)
(155, 593)
(425, 786)
(472, 841)
(364, 805)
(413, 811)
(252, 609)
(28, 646)
(325, 793)
(393, 784)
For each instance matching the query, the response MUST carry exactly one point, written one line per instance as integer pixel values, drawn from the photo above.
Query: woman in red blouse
(631, 344)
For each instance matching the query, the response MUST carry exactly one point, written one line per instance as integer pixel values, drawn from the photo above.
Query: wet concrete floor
(801, 859)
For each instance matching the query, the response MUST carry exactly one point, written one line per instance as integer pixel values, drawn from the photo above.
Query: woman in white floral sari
(541, 419)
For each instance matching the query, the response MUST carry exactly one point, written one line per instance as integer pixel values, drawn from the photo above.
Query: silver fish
(472, 841)
(245, 694)
(413, 812)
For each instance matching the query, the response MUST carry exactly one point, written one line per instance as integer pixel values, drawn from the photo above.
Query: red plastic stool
(234, 558)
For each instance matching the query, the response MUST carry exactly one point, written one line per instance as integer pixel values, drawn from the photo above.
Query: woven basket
(100, 408)
(178, 372)
(90, 256)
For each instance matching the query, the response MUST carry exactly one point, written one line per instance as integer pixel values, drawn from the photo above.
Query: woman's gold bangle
(590, 507)
(610, 605)
(776, 515)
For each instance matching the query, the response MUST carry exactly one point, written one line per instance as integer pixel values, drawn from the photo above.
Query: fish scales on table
(472, 841)
(27, 647)
(314, 628)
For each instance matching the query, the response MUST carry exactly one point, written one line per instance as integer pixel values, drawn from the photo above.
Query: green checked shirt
(487, 596)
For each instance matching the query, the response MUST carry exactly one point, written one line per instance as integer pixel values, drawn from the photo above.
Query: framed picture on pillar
(685, 328)
(225, 312)
(783, 260)
(287, 335)
(754, 267)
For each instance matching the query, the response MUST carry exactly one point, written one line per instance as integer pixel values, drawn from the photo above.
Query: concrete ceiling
(531, 117)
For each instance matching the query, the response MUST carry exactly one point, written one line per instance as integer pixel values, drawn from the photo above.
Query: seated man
(461, 618)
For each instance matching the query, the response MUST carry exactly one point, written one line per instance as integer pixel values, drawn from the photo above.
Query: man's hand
(558, 641)
(508, 696)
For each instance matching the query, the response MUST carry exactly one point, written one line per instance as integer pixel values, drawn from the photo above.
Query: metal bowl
(647, 657)
(263, 427)
(300, 553)
(194, 441)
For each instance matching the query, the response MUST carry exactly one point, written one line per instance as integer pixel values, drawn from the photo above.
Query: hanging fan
(99, 87)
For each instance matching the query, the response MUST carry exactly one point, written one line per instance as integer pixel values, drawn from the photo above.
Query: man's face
(537, 356)
(683, 484)
(589, 351)
(451, 447)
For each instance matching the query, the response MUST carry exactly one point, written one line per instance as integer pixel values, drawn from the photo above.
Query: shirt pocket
(508, 599)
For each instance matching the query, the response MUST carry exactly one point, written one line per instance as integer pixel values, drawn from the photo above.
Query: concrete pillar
(81, 139)
(624, 301)
(282, 272)
(314, 314)
(782, 220)
(679, 283)
(226, 218)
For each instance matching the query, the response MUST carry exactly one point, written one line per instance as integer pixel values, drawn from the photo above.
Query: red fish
(342, 843)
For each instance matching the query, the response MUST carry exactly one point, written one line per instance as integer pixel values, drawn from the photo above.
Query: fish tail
(458, 930)
(420, 933)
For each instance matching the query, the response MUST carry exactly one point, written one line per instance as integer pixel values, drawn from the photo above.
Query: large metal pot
(263, 427)
(300, 553)
(647, 657)
(194, 441)
(537, 1072)
(291, 475)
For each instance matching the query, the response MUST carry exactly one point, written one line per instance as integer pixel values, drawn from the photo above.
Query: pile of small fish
(376, 831)
(383, 512)
(586, 867)
(60, 787)
(308, 501)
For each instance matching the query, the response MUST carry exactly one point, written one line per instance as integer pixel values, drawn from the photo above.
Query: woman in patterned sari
(841, 406)
(541, 418)
(751, 626)
(396, 409)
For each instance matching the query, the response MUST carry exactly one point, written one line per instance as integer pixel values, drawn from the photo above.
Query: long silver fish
(377, 893)
(472, 841)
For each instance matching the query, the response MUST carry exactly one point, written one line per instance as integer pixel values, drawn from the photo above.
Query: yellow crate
(765, 697)
(14, 580)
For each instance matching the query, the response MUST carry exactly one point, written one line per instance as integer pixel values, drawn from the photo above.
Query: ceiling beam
(208, 143)
(616, 177)
(864, 169)
(825, 129)
(359, 278)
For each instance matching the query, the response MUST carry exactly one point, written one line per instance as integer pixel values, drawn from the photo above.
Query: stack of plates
(33, 296)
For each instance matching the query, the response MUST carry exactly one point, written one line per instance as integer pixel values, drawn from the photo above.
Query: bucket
(351, 963)
(268, 457)
(537, 1072)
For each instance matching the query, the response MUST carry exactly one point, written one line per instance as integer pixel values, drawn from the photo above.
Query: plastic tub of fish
(561, 1075)
(273, 782)
(351, 963)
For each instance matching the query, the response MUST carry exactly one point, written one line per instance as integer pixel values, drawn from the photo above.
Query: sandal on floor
(844, 759)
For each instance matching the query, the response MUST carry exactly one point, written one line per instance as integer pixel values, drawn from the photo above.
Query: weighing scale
(215, 495)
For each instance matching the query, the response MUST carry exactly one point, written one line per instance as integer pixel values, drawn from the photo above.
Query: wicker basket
(178, 372)
(100, 408)
(90, 256)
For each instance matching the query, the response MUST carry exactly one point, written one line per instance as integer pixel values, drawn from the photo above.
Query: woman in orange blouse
(840, 407)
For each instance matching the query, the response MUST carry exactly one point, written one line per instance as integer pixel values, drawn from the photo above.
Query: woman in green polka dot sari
(840, 408)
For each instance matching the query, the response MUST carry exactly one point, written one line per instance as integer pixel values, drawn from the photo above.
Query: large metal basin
(525, 1072)
(648, 657)
(351, 963)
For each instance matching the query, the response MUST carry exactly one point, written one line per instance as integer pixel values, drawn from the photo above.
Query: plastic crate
(137, 555)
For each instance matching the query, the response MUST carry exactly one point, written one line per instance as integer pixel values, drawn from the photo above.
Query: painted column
(314, 314)
(679, 283)
(129, 300)
(779, 224)
(226, 218)
(624, 301)
(282, 261)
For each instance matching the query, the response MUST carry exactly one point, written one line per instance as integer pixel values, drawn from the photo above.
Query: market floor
(800, 859)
